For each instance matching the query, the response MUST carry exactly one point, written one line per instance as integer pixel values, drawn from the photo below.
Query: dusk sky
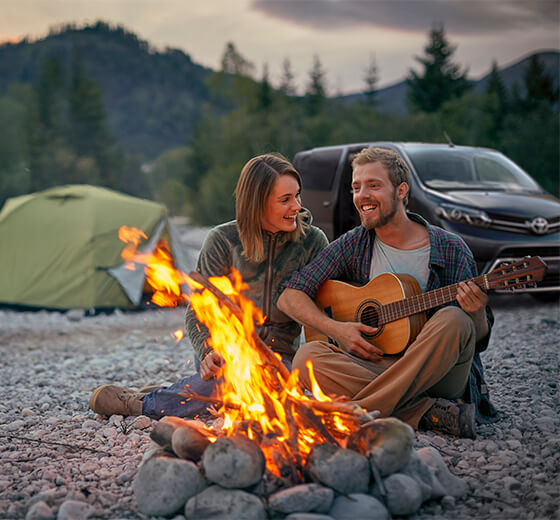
(345, 34)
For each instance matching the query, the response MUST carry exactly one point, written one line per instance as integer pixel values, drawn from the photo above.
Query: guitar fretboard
(422, 302)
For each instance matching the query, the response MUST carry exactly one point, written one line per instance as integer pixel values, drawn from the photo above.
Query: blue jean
(167, 401)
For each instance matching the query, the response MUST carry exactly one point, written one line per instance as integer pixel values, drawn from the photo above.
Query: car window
(451, 168)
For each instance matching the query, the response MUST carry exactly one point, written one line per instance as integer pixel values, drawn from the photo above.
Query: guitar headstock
(528, 271)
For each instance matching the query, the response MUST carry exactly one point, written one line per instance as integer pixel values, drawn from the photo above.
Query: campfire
(266, 437)
(257, 397)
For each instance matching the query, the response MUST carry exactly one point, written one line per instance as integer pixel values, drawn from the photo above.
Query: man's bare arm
(348, 335)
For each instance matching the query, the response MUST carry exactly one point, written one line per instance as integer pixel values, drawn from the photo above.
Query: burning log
(264, 352)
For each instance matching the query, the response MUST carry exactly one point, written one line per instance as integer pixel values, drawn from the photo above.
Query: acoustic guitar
(394, 303)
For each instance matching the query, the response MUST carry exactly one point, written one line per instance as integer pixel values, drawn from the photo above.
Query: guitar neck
(422, 302)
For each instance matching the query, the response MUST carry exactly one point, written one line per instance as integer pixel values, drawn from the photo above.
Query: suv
(476, 193)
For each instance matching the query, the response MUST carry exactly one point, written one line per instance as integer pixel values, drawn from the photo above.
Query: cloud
(460, 17)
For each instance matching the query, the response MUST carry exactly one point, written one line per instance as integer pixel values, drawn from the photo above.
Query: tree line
(56, 131)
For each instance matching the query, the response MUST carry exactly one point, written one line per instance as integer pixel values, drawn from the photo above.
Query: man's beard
(384, 217)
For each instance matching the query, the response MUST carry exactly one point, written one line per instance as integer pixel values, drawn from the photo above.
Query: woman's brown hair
(251, 195)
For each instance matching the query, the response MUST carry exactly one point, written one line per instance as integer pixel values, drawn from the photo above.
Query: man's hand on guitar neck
(348, 336)
(473, 300)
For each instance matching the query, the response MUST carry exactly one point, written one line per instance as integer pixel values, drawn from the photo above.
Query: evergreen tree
(90, 135)
(371, 78)
(316, 89)
(287, 86)
(494, 108)
(441, 79)
(539, 85)
(234, 63)
(265, 91)
(45, 126)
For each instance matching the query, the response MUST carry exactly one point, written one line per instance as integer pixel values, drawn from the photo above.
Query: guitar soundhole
(368, 314)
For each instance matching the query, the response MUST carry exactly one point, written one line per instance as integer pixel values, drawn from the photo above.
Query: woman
(271, 237)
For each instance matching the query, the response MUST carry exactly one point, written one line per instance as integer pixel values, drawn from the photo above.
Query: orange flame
(256, 400)
(161, 274)
(178, 334)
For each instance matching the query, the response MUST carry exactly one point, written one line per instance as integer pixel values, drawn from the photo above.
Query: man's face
(375, 197)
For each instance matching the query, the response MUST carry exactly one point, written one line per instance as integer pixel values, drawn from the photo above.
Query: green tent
(60, 248)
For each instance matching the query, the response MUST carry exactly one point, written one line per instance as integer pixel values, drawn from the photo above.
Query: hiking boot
(452, 418)
(116, 400)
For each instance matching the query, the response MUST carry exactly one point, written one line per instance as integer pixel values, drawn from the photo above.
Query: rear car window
(318, 168)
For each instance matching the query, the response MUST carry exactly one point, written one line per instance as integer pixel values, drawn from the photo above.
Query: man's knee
(456, 319)
(307, 352)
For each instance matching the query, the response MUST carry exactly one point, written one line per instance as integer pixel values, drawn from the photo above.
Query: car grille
(534, 226)
(549, 254)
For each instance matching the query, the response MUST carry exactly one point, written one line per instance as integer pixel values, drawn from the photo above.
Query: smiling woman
(271, 238)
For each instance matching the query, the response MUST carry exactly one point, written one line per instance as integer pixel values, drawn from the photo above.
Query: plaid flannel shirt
(348, 259)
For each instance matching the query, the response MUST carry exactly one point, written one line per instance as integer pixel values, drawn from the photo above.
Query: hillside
(152, 98)
(394, 97)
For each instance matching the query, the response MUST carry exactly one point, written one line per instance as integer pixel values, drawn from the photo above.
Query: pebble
(50, 366)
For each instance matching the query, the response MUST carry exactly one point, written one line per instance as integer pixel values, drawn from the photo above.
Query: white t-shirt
(387, 259)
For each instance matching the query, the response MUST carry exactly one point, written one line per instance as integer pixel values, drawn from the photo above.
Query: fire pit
(269, 449)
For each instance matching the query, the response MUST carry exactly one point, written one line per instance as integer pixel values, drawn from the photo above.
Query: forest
(58, 124)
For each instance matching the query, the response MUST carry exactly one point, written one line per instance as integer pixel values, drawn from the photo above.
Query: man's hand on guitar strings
(471, 297)
(349, 336)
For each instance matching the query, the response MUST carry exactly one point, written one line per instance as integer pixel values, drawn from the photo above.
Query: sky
(346, 35)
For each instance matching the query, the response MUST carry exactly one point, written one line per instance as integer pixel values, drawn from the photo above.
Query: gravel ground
(51, 362)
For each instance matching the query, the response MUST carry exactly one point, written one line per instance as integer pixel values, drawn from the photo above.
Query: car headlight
(455, 213)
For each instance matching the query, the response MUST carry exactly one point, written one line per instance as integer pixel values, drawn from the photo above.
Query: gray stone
(217, 503)
(233, 462)
(302, 498)
(421, 473)
(404, 496)
(358, 506)
(163, 485)
(451, 484)
(386, 442)
(40, 511)
(345, 471)
(308, 516)
(74, 510)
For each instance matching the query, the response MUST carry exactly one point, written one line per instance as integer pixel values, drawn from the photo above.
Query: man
(427, 384)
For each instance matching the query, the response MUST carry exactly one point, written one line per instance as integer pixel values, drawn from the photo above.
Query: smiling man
(437, 382)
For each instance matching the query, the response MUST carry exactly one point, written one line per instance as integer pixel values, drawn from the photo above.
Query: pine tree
(441, 79)
(495, 105)
(234, 63)
(316, 90)
(287, 86)
(371, 78)
(539, 85)
(265, 92)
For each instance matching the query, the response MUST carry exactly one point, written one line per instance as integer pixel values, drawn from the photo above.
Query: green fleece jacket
(222, 251)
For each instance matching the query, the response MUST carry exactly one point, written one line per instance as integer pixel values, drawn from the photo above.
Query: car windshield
(473, 169)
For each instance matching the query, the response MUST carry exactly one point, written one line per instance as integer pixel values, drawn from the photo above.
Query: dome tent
(60, 248)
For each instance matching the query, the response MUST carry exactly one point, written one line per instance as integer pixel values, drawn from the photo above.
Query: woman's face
(282, 206)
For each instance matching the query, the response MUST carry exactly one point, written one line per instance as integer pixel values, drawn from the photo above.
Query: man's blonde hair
(391, 160)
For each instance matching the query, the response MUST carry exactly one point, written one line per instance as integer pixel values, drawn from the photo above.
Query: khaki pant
(436, 364)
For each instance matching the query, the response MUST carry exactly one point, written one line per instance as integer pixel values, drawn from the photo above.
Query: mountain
(393, 98)
(152, 99)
